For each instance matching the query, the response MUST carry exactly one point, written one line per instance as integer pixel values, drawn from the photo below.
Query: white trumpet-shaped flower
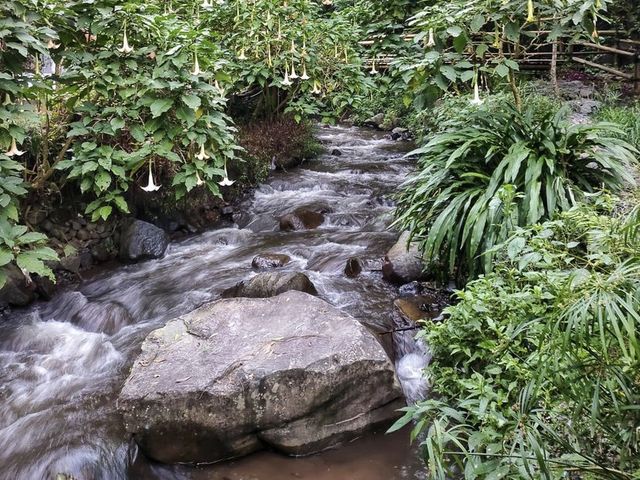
(196, 66)
(293, 75)
(199, 181)
(51, 45)
(151, 186)
(219, 88)
(206, 4)
(432, 41)
(476, 95)
(242, 56)
(293, 47)
(7, 99)
(316, 88)
(304, 73)
(225, 182)
(13, 150)
(202, 155)
(125, 44)
(286, 80)
(530, 12)
(373, 70)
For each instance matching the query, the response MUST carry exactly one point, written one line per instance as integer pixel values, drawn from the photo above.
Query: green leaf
(191, 101)
(454, 31)
(117, 124)
(104, 212)
(6, 256)
(102, 180)
(160, 106)
(449, 72)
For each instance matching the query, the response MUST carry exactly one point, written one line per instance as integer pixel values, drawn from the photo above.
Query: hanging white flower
(51, 45)
(196, 65)
(530, 12)
(206, 4)
(225, 182)
(151, 186)
(476, 92)
(199, 181)
(125, 44)
(293, 75)
(304, 73)
(286, 80)
(13, 150)
(316, 88)
(242, 56)
(432, 41)
(373, 70)
(202, 155)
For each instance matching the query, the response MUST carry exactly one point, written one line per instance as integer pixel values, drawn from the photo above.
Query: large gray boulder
(403, 262)
(290, 373)
(270, 284)
(141, 241)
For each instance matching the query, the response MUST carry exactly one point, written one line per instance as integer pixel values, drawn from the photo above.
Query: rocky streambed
(138, 368)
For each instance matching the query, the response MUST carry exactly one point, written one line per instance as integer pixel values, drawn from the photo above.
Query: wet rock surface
(142, 241)
(403, 262)
(18, 290)
(270, 284)
(291, 373)
(301, 219)
(266, 261)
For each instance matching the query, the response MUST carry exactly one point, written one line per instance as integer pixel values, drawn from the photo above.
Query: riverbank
(83, 245)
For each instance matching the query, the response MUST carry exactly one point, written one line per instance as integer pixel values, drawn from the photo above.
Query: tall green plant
(505, 169)
(535, 369)
(23, 35)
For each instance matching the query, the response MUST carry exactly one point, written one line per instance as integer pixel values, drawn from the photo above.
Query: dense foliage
(535, 369)
(503, 169)
(109, 95)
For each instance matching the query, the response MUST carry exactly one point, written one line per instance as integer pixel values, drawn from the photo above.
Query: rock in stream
(290, 373)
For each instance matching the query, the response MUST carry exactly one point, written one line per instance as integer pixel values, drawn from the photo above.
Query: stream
(62, 363)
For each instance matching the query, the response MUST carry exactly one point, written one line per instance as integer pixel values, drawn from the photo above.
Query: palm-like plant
(505, 169)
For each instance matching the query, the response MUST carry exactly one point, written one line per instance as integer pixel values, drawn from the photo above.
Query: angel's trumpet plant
(196, 65)
(286, 82)
(304, 73)
(13, 150)
(242, 56)
(530, 16)
(151, 186)
(431, 42)
(225, 182)
(476, 92)
(199, 181)
(293, 74)
(203, 154)
(373, 70)
(125, 44)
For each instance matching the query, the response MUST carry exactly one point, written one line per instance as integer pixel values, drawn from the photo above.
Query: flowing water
(62, 363)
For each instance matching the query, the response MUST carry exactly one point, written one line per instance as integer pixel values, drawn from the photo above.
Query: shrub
(277, 140)
(505, 169)
(535, 369)
(628, 119)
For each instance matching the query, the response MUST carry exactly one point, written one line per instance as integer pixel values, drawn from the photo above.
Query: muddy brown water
(62, 363)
